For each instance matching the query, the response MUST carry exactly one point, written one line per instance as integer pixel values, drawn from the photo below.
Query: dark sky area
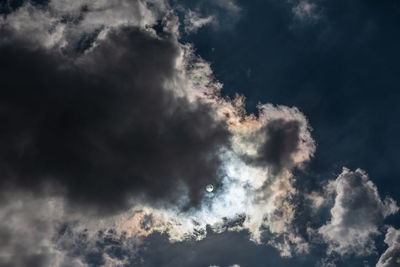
(342, 70)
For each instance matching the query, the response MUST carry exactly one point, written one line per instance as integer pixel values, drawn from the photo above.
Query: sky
(116, 117)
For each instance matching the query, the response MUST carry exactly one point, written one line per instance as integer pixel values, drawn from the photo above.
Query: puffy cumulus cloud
(279, 138)
(391, 257)
(357, 212)
(269, 173)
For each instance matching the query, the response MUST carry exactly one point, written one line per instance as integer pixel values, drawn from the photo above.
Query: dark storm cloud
(281, 141)
(104, 129)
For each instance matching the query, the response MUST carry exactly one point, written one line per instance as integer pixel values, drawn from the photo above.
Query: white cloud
(193, 21)
(63, 23)
(357, 212)
(391, 257)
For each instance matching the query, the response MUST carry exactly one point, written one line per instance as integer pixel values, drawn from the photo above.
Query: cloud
(281, 141)
(73, 26)
(391, 257)
(304, 10)
(43, 231)
(105, 128)
(279, 138)
(193, 21)
(27, 227)
(218, 14)
(357, 212)
(114, 128)
(136, 120)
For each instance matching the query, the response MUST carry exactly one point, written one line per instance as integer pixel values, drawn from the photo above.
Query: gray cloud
(357, 212)
(282, 140)
(104, 127)
(391, 257)
(27, 227)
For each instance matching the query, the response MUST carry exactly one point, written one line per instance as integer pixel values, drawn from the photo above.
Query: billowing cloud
(391, 257)
(357, 212)
(104, 128)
